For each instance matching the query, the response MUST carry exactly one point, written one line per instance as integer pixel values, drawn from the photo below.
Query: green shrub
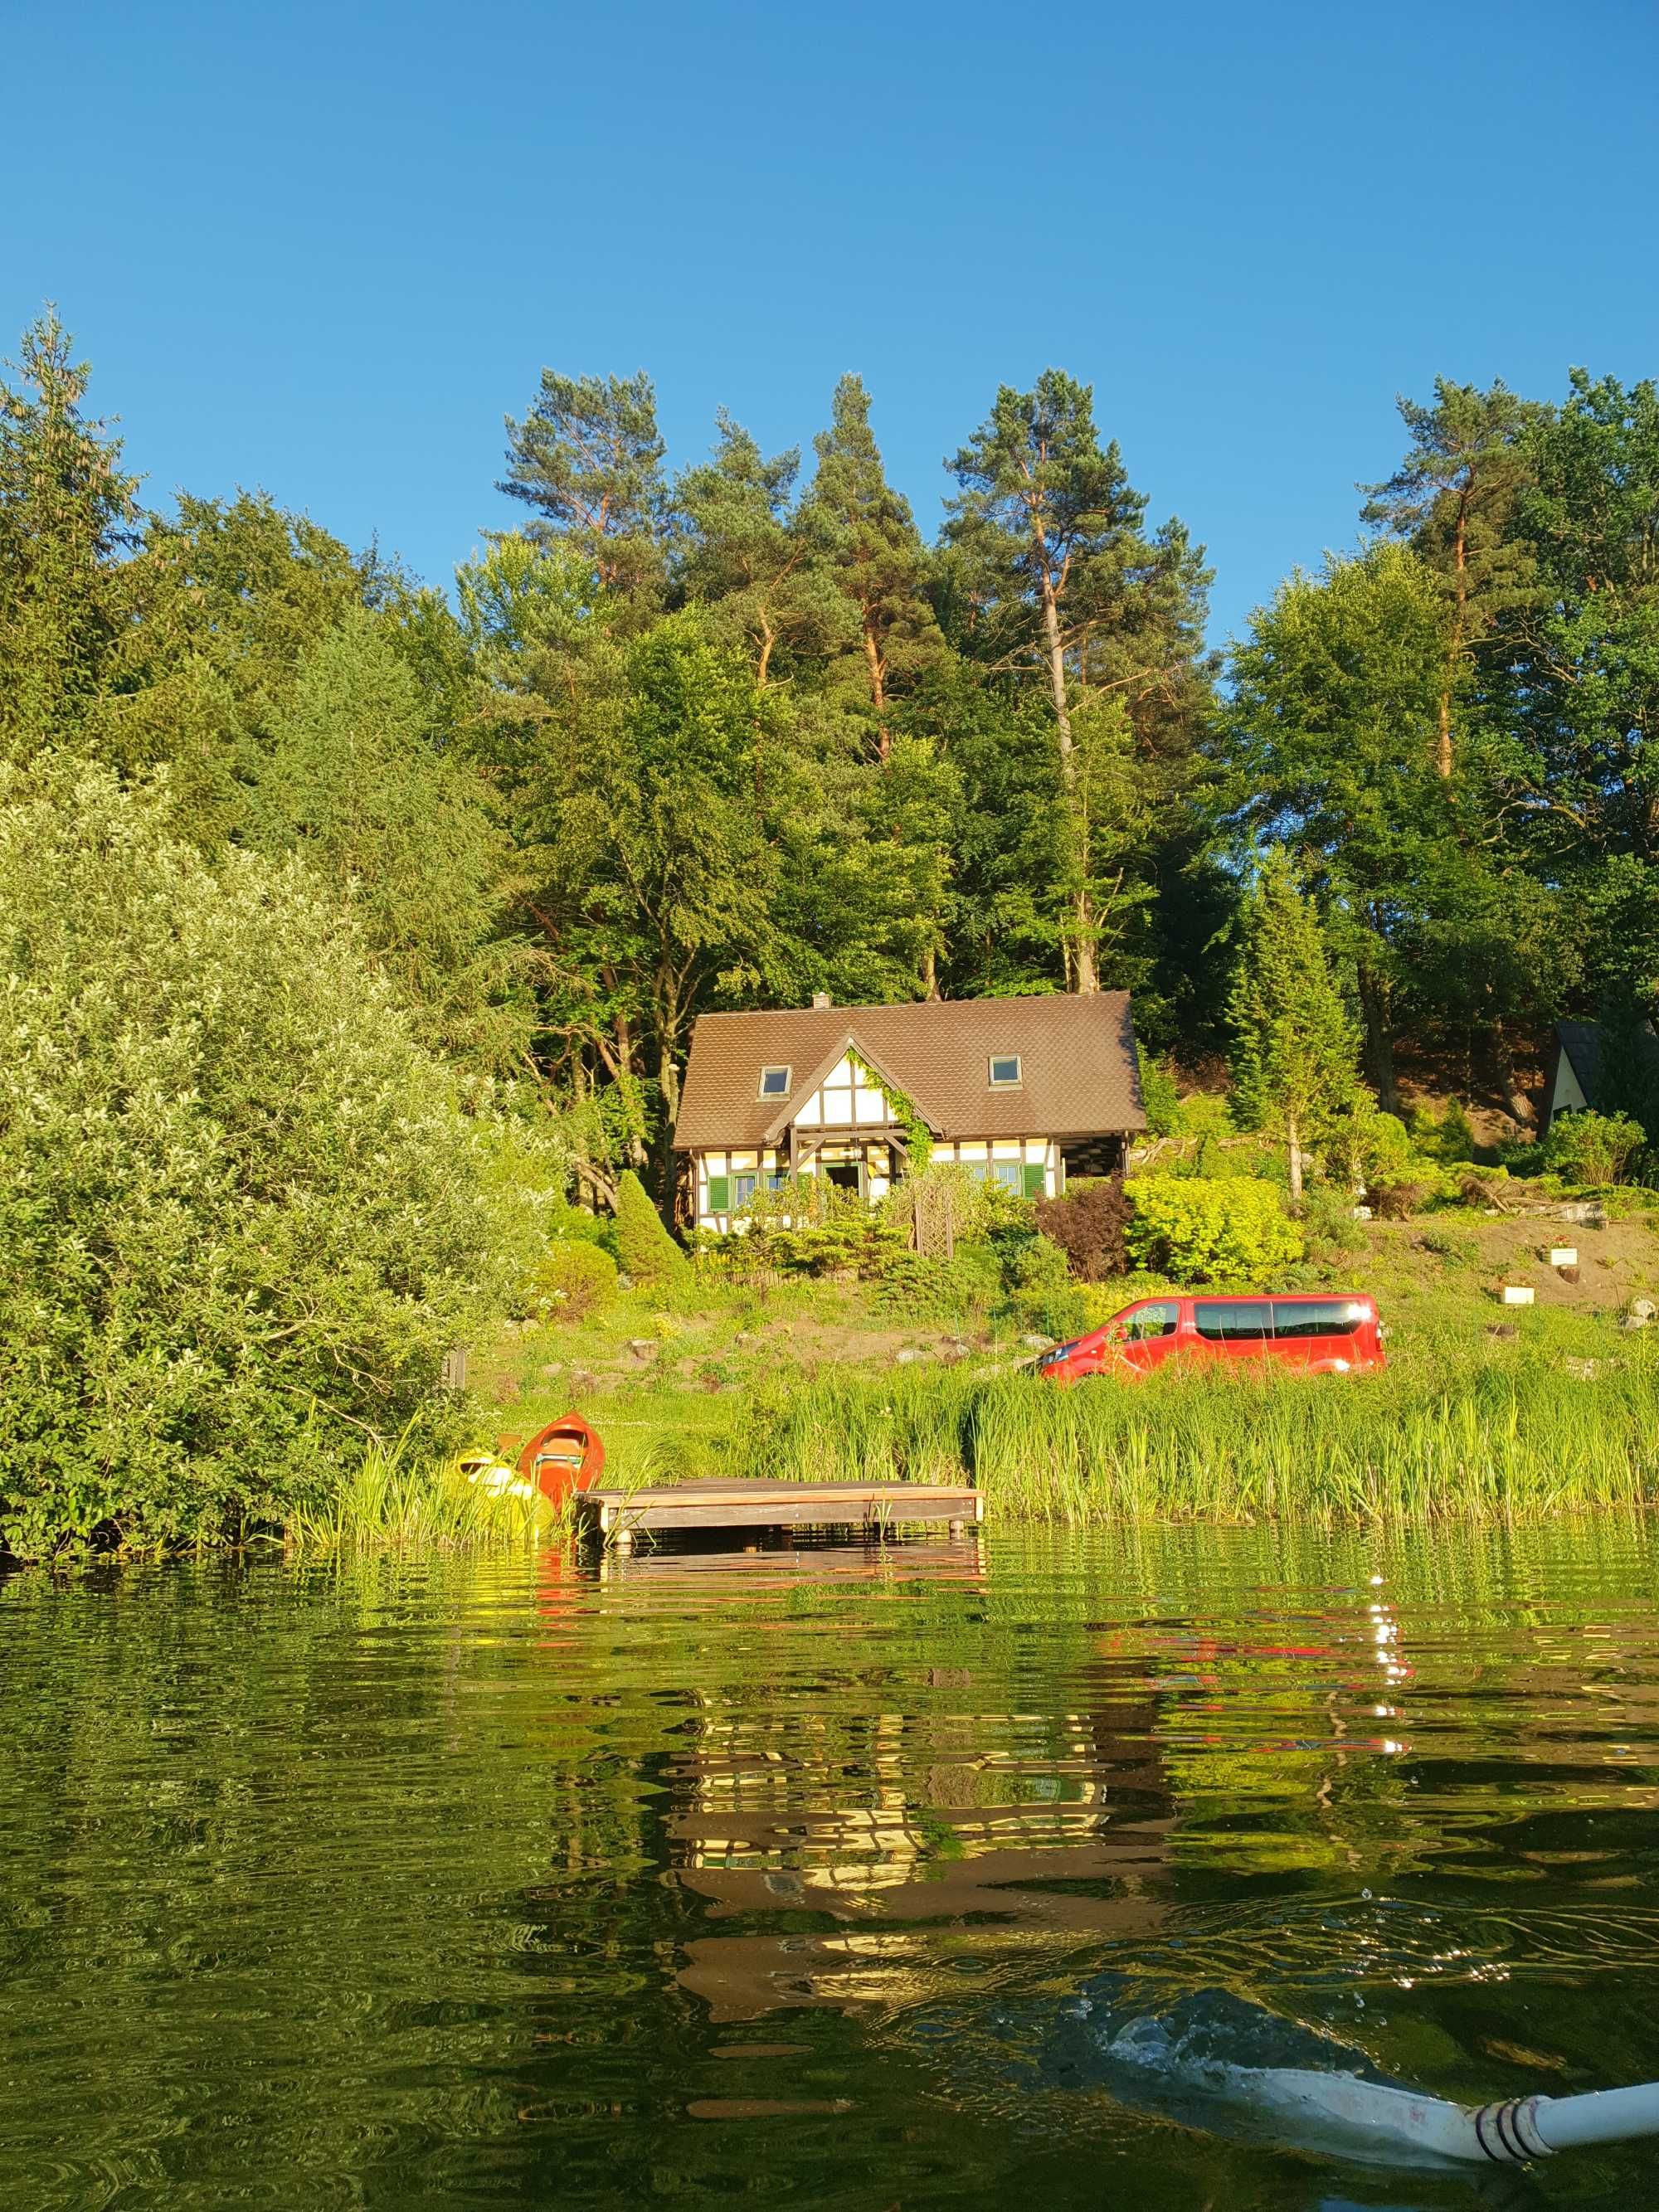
(1158, 1095)
(1594, 1149)
(1447, 1136)
(1205, 1115)
(575, 1224)
(1457, 1247)
(965, 1287)
(1327, 1214)
(1195, 1230)
(575, 1278)
(1042, 1294)
(242, 1215)
(645, 1249)
(1373, 1152)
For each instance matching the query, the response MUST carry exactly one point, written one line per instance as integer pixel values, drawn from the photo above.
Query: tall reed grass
(1476, 1437)
(398, 1498)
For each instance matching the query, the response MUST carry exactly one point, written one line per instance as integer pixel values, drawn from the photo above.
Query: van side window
(1316, 1318)
(1233, 1320)
(1148, 1321)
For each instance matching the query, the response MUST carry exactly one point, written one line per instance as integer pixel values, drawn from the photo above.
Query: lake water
(817, 1877)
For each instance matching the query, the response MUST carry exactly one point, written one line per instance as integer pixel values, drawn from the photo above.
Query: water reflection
(717, 1875)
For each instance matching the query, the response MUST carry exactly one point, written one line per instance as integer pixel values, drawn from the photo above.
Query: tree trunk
(637, 1155)
(1379, 1041)
(1443, 758)
(1515, 1098)
(1083, 974)
(930, 974)
(878, 687)
(1293, 1140)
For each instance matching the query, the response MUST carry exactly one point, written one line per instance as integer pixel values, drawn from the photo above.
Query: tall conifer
(877, 561)
(67, 511)
(1296, 1046)
(587, 457)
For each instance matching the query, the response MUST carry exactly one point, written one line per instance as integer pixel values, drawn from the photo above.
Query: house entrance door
(846, 1174)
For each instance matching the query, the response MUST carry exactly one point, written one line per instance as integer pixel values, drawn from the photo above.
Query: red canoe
(566, 1456)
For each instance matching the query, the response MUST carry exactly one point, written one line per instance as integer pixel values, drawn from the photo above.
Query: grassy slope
(673, 1387)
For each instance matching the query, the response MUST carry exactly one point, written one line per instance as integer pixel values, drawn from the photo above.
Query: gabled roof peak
(1078, 1072)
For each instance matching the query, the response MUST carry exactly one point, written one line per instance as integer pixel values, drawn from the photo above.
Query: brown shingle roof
(1078, 1072)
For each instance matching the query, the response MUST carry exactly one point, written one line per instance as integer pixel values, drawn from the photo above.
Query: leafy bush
(576, 1277)
(1457, 1247)
(1089, 1224)
(1373, 1152)
(1158, 1095)
(848, 1238)
(242, 1215)
(1594, 1149)
(944, 1190)
(1447, 1136)
(1205, 1115)
(1042, 1294)
(1328, 1214)
(1195, 1230)
(575, 1224)
(644, 1247)
(964, 1287)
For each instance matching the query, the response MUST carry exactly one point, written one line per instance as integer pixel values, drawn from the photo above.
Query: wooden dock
(617, 1515)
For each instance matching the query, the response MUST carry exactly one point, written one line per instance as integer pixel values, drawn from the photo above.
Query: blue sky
(324, 249)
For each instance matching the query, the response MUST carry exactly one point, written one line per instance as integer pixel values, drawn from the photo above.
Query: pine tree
(1295, 1058)
(1041, 507)
(753, 557)
(878, 562)
(1047, 571)
(587, 457)
(1454, 498)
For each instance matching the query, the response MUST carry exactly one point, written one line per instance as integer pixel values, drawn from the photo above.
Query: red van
(1308, 1330)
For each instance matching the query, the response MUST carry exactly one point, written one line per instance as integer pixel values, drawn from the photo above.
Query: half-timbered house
(1020, 1091)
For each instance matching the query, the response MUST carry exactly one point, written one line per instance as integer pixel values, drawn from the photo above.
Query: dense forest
(726, 736)
(463, 866)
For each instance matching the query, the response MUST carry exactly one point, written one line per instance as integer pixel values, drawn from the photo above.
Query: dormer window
(1004, 1071)
(775, 1082)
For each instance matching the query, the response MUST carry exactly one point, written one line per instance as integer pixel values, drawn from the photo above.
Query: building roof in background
(1078, 1075)
(1584, 1043)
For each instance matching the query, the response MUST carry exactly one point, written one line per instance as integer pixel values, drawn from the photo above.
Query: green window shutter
(1034, 1178)
(719, 1193)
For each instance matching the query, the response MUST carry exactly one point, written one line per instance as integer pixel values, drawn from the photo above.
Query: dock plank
(618, 1514)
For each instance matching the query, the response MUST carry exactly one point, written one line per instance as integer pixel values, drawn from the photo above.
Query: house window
(743, 1190)
(1004, 1071)
(1008, 1173)
(775, 1082)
